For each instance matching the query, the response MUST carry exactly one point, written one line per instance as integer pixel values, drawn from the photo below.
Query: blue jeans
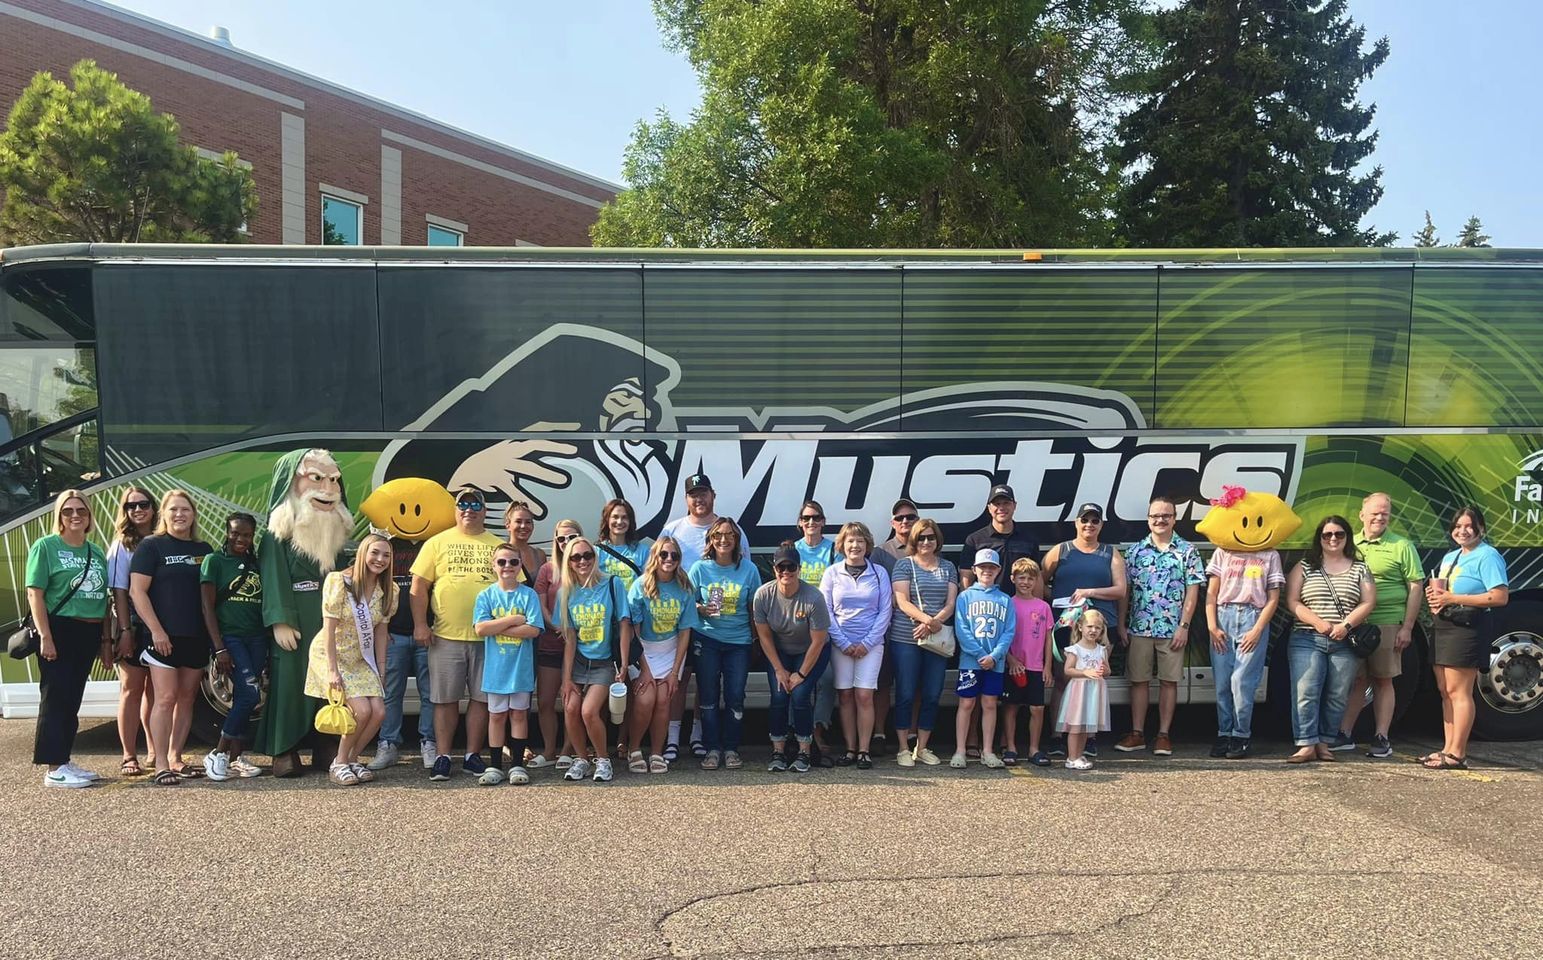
(248, 659)
(1322, 671)
(722, 669)
(918, 673)
(801, 700)
(1237, 673)
(402, 656)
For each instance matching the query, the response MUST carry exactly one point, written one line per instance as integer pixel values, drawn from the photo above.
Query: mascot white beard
(319, 534)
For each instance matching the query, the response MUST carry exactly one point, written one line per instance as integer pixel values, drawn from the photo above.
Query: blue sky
(1457, 98)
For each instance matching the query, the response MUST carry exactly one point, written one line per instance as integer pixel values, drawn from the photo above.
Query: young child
(507, 615)
(1029, 664)
(984, 624)
(232, 592)
(1085, 703)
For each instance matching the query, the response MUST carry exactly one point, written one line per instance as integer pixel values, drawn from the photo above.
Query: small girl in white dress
(1085, 703)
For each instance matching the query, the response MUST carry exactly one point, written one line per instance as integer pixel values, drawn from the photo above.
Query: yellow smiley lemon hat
(410, 507)
(1248, 521)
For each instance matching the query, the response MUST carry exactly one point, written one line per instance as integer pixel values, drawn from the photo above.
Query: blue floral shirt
(1158, 579)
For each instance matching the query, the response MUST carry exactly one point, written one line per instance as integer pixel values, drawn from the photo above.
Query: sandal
(166, 778)
(364, 773)
(671, 752)
(1433, 757)
(190, 771)
(710, 761)
(342, 774)
(972, 753)
(698, 748)
(1447, 762)
(864, 762)
(636, 763)
(1010, 757)
(657, 764)
(131, 768)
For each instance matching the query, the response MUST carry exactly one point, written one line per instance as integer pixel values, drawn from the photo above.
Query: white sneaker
(992, 761)
(518, 776)
(430, 751)
(578, 771)
(925, 755)
(81, 772)
(491, 777)
(538, 761)
(386, 755)
(564, 761)
(245, 769)
(63, 777)
(217, 766)
(603, 772)
(958, 761)
(905, 758)
(1079, 763)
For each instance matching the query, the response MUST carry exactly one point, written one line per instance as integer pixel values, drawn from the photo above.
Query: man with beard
(308, 526)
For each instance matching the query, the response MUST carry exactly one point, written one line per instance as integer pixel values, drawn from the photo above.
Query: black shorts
(553, 660)
(1031, 694)
(190, 653)
(1461, 646)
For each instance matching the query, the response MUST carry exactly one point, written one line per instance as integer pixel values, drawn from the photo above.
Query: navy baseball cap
(698, 481)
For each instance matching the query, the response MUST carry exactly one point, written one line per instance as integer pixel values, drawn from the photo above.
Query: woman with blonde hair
(549, 654)
(861, 600)
(597, 629)
(136, 520)
(348, 654)
(663, 610)
(164, 585)
(67, 597)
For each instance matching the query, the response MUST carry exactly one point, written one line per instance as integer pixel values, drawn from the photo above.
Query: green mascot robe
(292, 595)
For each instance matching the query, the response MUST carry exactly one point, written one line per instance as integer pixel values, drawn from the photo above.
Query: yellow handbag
(336, 718)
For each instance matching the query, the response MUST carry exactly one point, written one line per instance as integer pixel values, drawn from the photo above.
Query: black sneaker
(1221, 747)
(473, 764)
(441, 768)
(778, 764)
(1341, 742)
(1057, 747)
(1238, 750)
(801, 762)
(1381, 748)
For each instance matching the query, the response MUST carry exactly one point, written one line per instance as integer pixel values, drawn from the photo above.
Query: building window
(444, 237)
(342, 221)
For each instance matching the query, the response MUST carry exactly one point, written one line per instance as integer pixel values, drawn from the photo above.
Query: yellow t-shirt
(459, 566)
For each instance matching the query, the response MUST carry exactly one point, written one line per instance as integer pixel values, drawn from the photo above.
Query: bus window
(46, 302)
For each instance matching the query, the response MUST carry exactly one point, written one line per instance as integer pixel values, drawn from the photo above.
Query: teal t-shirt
(509, 663)
(739, 583)
(660, 619)
(612, 564)
(238, 593)
(54, 566)
(1480, 570)
(592, 614)
(812, 561)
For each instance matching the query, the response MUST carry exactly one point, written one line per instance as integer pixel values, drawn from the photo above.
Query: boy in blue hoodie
(984, 624)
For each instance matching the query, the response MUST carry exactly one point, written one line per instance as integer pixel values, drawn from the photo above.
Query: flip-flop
(166, 778)
(190, 771)
(1447, 762)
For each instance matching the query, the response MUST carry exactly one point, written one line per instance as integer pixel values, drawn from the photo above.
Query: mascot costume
(309, 525)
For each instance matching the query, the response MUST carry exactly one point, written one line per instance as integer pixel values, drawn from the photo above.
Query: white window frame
(456, 227)
(357, 200)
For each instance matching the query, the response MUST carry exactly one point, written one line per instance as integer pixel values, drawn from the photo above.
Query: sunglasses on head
(587, 556)
(471, 506)
(507, 561)
(138, 505)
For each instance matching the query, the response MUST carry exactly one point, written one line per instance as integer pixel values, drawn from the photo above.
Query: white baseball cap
(987, 555)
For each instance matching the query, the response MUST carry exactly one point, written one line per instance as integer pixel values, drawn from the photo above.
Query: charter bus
(567, 376)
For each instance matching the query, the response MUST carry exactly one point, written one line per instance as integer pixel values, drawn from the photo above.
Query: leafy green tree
(91, 161)
(1248, 132)
(1472, 234)
(882, 123)
(1426, 235)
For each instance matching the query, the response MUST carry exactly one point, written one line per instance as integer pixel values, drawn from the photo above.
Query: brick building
(380, 174)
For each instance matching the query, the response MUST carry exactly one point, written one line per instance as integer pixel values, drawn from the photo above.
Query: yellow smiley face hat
(1247, 521)
(410, 507)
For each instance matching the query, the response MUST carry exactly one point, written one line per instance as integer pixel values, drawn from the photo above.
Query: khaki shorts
(1386, 662)
(1143, 650)
(455, 670)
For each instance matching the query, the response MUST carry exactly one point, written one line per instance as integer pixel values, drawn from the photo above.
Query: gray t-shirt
(791, 618)
(889, 553)
(927, 589)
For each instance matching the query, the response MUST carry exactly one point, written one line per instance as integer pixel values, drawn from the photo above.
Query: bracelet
(221, 650)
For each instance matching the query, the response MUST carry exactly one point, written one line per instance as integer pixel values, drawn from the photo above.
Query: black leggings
(61, 685)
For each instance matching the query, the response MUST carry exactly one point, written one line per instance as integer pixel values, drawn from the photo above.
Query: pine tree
(1472, 234)
(1426, 235)
(1248, 132)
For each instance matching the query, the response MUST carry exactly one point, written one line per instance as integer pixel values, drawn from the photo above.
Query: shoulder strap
(1333, 592)
(622, 557)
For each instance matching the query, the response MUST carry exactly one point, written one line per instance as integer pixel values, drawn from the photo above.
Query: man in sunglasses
(457, 565)
(902, 516)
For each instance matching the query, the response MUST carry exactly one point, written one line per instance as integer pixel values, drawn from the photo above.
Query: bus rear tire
(1509, 695)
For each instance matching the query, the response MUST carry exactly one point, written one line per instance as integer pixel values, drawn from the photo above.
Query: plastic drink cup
(618, 702)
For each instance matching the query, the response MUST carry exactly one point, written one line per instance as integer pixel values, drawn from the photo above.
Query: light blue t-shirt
(509, 663)
(593, 613)
(693, 540)
(732, 625)
(1480, 570)
(984, 623)
(610, 563)
(661, 619)
(812, 561)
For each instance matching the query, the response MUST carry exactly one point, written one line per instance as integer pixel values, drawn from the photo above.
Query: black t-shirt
(403, 553)
(173, 568)
(1010, 547)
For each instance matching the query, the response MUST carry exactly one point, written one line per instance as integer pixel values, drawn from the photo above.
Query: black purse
(1364, 639)
(27, 640)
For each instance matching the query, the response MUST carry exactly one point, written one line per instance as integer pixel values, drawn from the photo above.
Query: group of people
(615, 624)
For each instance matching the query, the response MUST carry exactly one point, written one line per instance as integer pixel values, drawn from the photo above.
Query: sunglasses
(138, 505)
(722, 537)
(812, 518)
(786, 568)
(1332, 535)
(668, 555)
(905, 517)
(507, 562)
(74, 512)
(587, 556)
(927, 538)
(470, 506)
(565, 538)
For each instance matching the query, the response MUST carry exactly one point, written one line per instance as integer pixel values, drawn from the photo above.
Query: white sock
(674, 733)
(696, 728)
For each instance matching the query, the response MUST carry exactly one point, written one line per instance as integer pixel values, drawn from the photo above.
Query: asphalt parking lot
(1150, 857)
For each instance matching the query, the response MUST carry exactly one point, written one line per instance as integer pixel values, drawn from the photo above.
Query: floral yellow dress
(359, 678)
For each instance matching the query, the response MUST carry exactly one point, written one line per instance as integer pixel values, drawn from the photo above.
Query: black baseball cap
(1088, 508)
(1001, 491)
(786, 554)
(698, 481)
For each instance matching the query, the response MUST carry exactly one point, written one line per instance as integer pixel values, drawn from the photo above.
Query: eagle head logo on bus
(610, 429)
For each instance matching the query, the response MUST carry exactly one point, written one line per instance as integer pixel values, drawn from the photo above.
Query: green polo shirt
(1394, 564)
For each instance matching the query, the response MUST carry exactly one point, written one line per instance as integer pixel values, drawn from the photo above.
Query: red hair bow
(1229, 497)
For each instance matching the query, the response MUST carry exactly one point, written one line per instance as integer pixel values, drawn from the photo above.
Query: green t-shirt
(53, 566)
(1393, 562)
(238, 593)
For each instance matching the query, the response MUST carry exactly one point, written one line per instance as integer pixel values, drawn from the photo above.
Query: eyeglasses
(927, 538)
(587, 556)
(470, 506)
(812, 518)
(138, 505)
(74, 512)
(1332, 535)
(1160, 516)
(668, 555)
(904, 518)
(507, 562)
(786, 568)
